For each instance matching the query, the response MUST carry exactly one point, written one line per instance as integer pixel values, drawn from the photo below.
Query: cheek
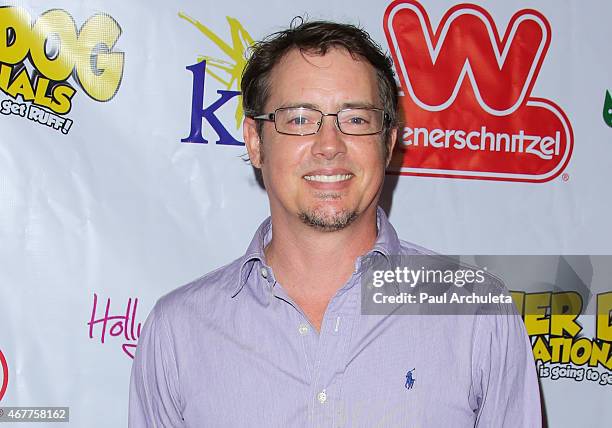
(280, 164)
(373, 161)
(285, 155)
(374, 171)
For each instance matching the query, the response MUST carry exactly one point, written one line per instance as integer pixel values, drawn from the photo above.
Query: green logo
(607, 110)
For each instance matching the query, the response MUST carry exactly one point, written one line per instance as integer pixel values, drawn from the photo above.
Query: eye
(299, 117)
(298, 120)
(356, 120)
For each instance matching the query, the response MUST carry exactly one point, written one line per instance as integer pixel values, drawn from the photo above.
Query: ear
(391, 145)
(252, 141)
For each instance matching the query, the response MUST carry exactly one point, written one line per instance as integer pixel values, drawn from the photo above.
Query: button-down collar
(387, 243)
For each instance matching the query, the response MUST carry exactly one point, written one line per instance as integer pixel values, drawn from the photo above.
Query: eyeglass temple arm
(267, 116)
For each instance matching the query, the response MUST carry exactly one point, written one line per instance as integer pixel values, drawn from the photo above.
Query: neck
(313, 262)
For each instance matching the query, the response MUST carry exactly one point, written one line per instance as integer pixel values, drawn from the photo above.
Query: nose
(329, 141)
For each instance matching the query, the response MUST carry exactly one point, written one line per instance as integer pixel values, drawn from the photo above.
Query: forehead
(327, 81)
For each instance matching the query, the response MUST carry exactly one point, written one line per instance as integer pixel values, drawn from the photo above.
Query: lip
(335, 185)
(328, 171)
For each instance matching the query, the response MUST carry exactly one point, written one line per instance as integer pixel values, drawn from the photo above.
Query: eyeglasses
(307, 121)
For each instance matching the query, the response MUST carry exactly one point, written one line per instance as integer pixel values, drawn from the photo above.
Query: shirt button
(264, 272)
(322, 397)
(303, 329)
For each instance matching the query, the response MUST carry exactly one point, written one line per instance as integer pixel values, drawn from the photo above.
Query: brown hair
(316, 37)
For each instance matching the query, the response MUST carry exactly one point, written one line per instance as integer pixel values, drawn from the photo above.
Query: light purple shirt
(232, 349)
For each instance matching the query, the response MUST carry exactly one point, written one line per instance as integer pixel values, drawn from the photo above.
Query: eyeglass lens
(304, 121)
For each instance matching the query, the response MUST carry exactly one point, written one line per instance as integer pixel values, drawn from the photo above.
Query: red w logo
(460, 79)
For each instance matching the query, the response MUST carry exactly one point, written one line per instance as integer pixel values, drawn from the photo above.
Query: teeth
(328, 178)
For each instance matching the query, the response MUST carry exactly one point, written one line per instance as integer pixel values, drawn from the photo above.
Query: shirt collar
(387, 243)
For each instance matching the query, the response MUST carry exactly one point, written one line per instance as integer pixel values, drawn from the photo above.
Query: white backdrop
(116, 208)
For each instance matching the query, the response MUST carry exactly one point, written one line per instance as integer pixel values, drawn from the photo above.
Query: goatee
(328, 223)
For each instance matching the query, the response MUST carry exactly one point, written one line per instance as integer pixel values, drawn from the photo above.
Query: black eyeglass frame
(270, 117)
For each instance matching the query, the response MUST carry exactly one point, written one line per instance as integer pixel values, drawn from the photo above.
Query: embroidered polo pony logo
(409, 380)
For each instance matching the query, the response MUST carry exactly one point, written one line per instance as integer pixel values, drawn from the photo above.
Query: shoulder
(408, 248)
(201, 293)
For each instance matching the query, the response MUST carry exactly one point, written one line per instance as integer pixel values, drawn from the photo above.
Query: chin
(328, 222)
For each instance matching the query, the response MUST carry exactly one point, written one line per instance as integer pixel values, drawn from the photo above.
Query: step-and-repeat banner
(122, 172)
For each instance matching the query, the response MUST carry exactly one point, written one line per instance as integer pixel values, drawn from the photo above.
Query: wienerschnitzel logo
(468, 100)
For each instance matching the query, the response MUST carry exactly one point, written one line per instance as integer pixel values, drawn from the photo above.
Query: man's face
(328, 179)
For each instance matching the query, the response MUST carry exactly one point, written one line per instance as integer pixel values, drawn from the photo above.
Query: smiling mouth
(329, 178)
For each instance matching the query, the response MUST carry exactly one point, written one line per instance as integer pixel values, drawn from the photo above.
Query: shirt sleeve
(154, 388)
(505, 380)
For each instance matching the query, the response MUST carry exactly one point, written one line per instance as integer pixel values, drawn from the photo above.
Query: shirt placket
(325, 353)
(307, 338)
(330, 361)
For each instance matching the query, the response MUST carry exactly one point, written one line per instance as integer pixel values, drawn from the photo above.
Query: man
(276, 338)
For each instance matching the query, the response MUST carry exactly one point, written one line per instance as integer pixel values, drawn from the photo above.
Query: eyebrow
(298, 105)
(358, 104)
